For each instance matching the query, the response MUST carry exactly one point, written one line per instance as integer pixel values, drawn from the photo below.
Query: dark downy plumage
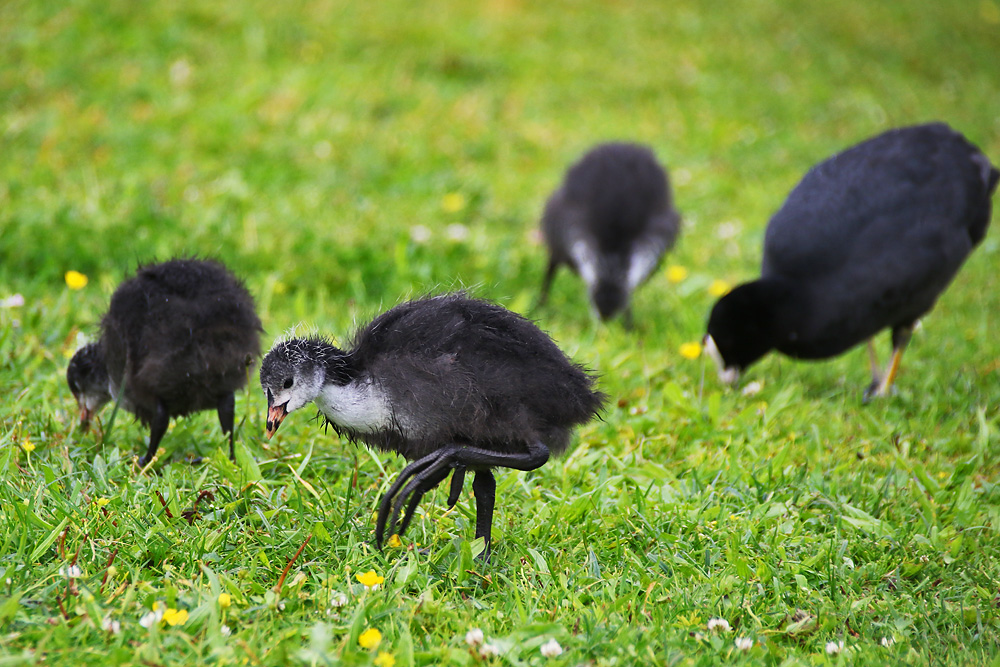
(178, 337)
(449, 382)
(611, 221)
(867, 240)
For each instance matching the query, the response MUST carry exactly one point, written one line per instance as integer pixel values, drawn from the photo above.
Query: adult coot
(867, 240)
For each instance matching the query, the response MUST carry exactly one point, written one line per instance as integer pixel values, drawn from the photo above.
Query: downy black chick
(178, 337)
(449, 382)
(611, 221)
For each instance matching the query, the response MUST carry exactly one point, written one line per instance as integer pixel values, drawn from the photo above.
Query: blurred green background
(342, 157)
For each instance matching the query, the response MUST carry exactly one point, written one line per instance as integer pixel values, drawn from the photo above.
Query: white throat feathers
(361, 405)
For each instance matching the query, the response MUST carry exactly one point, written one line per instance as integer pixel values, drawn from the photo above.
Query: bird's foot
(879, 388)
(415, 480)
(457, 482)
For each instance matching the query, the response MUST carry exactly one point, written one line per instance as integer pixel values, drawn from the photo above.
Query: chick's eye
(288, 383)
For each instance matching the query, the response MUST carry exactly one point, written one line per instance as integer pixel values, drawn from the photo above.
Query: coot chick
(178, 337)
(611, 221)
(451, 383)
(867, 240)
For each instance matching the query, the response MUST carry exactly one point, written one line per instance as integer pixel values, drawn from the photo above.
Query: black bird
(178, 337)
(451, 383)
(611, 221)
(867, 240)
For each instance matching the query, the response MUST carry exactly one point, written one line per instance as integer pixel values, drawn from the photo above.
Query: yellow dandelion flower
(718, 288)
(75, 280)
(101, 502)
(691, 350)
(394, 541)
(175, 616)
(225, 600)
(384, 659)
(370, 638)
(676, 274)
(28, 446)
(453, 202)
(369, 579)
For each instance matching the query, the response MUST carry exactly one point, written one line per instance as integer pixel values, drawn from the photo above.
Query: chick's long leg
(421, 469)
(157, 427)
(485, 488)
(550, 273)
(415, 491)
(423, 481)
(227, 413)
(423, 474)
(457, 482)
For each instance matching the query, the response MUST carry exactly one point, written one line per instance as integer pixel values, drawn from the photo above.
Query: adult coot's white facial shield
(727, 374)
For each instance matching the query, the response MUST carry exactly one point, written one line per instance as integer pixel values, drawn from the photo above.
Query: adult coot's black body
(178, 338)
(867, 240)
(449, 382)
(611, 221)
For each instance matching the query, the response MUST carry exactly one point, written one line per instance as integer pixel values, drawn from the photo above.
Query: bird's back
(875, 234)
(459, 369)
(182, 331)
(614, 195)
(893, 195)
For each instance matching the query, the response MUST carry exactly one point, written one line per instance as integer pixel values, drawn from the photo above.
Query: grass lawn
(342, 157)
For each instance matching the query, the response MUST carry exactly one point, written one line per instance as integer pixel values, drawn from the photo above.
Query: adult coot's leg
(881, 386)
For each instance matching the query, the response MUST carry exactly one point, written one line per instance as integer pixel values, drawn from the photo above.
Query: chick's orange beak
(275, 415)
(86, 415)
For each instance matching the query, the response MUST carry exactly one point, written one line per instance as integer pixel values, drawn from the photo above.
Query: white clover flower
(180, 72)
(474, 637)
(420, 234)
(110, 625)
(834, 648)
(70, 571)
(551, 648)
(225, 630)
(457, 232)
(13, 301)
(338, 600)
(489, 651)
(728, 229)
(323, 149)
(752, 388)
(887, 641)
(718, 624)
(152, 618)
(743, 643)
